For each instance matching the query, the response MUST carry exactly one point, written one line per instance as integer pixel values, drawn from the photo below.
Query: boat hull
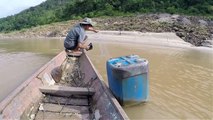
(28, 94)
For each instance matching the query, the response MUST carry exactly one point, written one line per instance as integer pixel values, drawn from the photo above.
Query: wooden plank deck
(55, 107)
(80, 101)
(66, 91)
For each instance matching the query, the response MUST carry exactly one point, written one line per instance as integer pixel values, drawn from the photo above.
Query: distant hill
(45, 13)
(62, 10)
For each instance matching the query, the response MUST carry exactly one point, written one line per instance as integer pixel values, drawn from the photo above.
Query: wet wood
(41, 115)
(65, 108)
(66, 91)
(54, 111)
(73, 54)
(66, 101)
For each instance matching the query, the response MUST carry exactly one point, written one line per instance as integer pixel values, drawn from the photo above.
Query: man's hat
(87, 21)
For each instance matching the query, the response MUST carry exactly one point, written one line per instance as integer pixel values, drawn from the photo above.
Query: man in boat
(76, 38)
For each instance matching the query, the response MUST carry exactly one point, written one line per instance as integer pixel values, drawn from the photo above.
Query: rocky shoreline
(196, 30)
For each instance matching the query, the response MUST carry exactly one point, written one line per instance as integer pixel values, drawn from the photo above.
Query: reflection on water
(180, 80)
(21, 58)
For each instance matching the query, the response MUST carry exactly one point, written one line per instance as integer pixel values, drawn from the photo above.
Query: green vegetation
(61, 10)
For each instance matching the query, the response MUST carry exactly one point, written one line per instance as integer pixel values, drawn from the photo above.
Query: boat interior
(74, 90)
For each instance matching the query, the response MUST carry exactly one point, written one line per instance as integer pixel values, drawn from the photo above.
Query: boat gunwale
(109, 94)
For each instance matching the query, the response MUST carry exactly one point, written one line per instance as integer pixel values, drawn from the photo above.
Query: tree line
(62, 10)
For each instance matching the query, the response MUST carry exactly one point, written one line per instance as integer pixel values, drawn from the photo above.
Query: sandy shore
(165, 39)
(162, 39)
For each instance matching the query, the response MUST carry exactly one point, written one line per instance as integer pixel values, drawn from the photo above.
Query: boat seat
(73, 54)
(66, 91)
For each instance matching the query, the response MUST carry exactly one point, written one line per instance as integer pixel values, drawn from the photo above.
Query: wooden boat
(36, 99)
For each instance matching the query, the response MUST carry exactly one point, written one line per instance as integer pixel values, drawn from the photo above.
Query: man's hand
(92, 29)
(89, 47)
(96, 31)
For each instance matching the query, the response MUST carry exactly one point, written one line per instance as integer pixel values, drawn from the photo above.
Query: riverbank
(197, 31)
(167, 40)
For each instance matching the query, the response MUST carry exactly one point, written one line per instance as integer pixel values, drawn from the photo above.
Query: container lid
(126, 66)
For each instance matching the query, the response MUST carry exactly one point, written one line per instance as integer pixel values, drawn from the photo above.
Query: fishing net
(71, 73)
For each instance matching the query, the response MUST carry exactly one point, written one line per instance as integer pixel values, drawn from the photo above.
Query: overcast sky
(11, 7)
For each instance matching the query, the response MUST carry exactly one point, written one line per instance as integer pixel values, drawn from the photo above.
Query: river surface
(19, 59)
(181, 79)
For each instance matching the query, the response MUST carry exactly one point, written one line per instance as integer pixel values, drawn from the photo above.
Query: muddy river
(181, 79)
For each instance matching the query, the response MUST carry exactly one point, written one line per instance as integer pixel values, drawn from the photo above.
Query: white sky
(11, 7)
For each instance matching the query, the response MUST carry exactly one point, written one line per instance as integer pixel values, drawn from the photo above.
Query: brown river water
(181, 79)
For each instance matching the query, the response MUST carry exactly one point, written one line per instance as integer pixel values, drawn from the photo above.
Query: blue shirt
(76, 35)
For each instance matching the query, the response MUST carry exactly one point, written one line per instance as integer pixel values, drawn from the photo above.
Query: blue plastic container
(128, 79)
